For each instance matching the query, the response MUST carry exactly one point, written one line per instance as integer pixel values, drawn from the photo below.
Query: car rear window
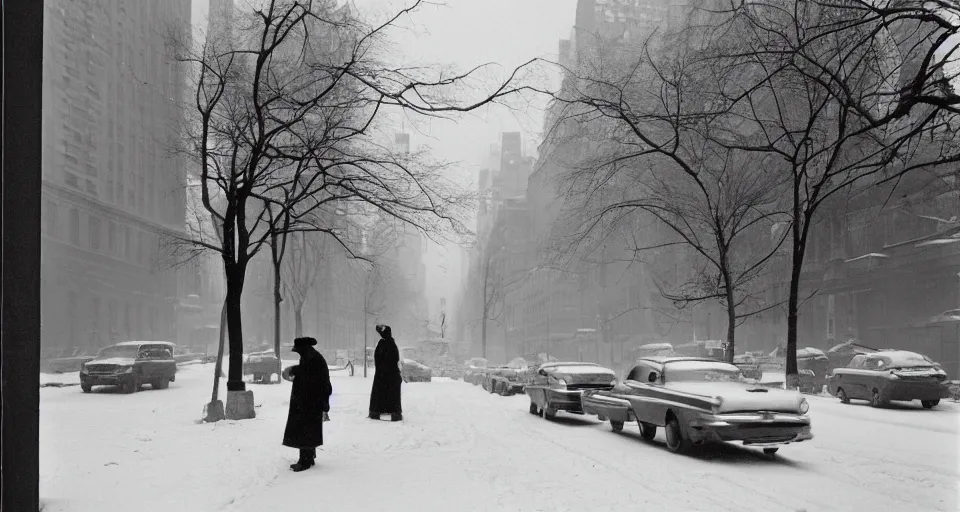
(905, 360)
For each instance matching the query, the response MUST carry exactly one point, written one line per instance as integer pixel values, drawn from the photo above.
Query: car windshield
(701, 371)
(130, 351)
(904, 360)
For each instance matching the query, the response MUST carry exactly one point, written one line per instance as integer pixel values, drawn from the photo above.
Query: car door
(643, 392)
(854, 378)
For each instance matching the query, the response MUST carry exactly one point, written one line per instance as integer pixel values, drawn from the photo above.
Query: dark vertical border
(20, 324)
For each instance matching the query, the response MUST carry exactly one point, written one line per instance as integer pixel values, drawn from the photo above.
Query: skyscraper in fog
(111, 180)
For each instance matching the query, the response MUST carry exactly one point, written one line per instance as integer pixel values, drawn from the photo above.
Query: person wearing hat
(309, 402)
(385, 395)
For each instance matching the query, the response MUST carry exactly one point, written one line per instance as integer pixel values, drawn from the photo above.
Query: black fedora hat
(302, 343)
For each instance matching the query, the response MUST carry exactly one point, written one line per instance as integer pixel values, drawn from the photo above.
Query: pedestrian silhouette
(309, 402)
(385, 395)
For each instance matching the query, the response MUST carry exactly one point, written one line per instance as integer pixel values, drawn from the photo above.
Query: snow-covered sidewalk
(460, 448)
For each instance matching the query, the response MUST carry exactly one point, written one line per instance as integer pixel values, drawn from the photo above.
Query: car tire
(131, 385)
(161, 384)
(929, 404)
(677, 441)
(647, 430)
(770, 451)
(617, 426)
(876, 400)
(549, 413)
(842, 395)
(86, 388)
(534, 409)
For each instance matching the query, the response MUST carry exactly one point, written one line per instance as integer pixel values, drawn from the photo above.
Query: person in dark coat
(309, 402)
(385, 395)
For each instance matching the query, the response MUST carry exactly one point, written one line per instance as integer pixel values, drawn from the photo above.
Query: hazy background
(465, 34)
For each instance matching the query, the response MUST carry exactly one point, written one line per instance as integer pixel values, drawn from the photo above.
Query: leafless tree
(828, 97)
(308, 254)
(285, 106)
(843, 97)
(647, 151)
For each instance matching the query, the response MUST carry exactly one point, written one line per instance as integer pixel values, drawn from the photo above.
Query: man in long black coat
(309, 400)
(385, 395)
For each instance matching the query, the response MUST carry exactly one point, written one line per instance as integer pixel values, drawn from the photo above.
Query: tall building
(112, 185)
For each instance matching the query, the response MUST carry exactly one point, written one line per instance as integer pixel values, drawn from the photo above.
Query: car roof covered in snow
(138, 343)
(546, 366)
(671, 359)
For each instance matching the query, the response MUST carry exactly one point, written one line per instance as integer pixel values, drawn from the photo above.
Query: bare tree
(842, 96)
(308, 253)
(648, 150)
(282, 128)
(828, 97)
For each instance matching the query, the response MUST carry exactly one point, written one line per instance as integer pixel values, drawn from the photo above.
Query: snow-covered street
(460, 448)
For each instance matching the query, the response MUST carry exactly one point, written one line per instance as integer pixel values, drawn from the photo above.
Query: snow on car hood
(119, 361)
(743, 397)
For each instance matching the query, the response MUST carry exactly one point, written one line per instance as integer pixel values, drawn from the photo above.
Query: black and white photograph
(481, 255)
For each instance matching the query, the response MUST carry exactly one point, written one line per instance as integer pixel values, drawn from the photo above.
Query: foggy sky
(468, 33)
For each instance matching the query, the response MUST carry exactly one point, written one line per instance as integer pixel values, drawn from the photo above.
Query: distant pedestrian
(385, 395)
(309, 402)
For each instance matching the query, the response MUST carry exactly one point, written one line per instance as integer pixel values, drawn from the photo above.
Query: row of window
(89, 322)
(88, 231)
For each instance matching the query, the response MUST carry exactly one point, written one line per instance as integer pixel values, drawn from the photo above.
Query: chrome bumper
(754, 429)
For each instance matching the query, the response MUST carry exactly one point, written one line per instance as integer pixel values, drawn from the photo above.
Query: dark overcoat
(385, 395)
(309, 399)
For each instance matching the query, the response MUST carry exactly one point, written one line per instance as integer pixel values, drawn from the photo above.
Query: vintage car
(509, 380)
(412, 371)
(559, 386)
(841, 354)
(749, 365)
(476, 370)
(262, 365)
(699, 400)
(130, 365)
(812, 366)
(889, 375)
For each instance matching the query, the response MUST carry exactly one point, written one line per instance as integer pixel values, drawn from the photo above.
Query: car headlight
(718, 403)
(125, 369)
(83, 368)
(804, 406)
(562, 383)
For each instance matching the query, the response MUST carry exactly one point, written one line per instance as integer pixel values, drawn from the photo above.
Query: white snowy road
(460, 448)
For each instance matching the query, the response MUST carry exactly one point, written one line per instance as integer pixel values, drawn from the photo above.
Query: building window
(112, 238)
(75, 227)
(50, 212)
(71, 318)
(93, 224)
(128, 243)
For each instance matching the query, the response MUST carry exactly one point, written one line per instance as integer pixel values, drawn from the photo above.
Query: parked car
(813, 366)
(699, 400)
(486, 381)
(262, 365)
(749, 365)
(890, 375)
(130, 365)
(412, 371)
(559, 386)
(841, 354)
(510, 380)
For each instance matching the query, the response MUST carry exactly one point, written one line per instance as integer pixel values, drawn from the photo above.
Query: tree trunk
(483, 336)
(731, 324)
(298, 320)
(219, 366)
(235, 276)
(793, 304)
(277, 299)
(793, 317)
